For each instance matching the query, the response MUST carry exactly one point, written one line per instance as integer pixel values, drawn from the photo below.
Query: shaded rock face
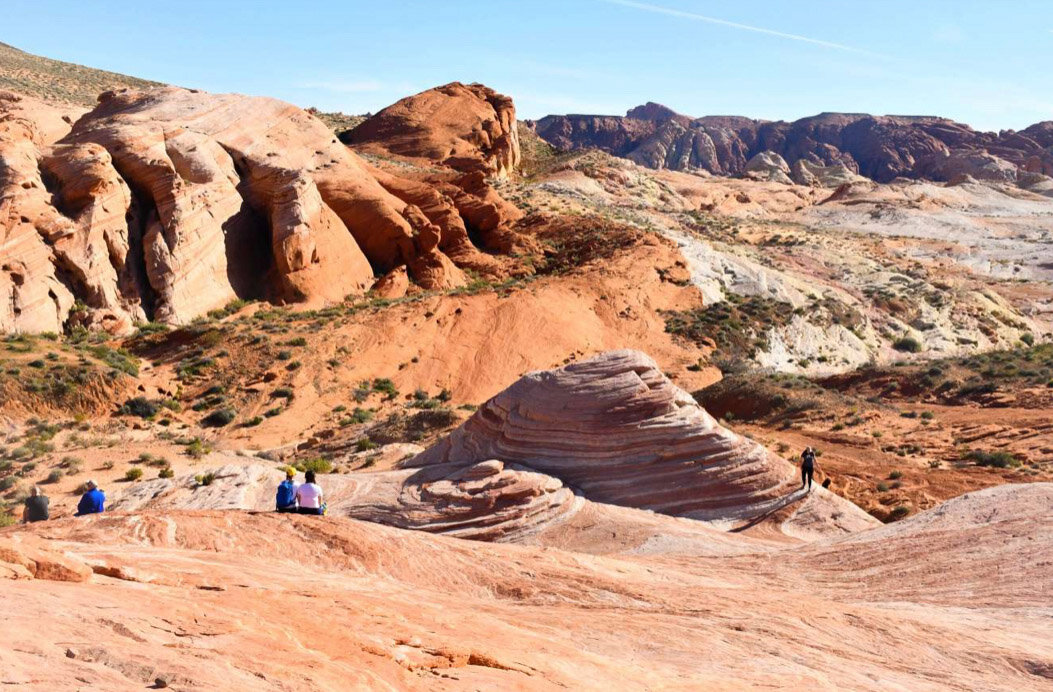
(468, 127)
(164, 204)
(615, 428)
(877, 147)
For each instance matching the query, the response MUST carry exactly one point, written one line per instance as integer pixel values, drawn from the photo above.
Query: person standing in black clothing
(37, 507)
(807, 467)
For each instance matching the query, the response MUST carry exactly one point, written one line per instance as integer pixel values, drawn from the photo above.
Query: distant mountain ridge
(878, 147)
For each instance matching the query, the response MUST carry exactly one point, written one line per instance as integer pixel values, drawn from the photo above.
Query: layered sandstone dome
(164, 204)
(618, 430)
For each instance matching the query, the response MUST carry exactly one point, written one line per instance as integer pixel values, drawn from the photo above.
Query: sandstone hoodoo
(164, 204)
(617, 429)
(468, 127)
(876, 147)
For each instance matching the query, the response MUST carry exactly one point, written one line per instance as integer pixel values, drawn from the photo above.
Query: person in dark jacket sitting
(91, 502)
(36, 507)
(285, 498)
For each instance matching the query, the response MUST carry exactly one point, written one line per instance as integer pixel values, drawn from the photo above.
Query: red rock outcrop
(878, 147)
(467, 127)
(167, 203)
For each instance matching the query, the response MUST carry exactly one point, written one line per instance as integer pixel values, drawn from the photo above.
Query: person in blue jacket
(91, 502)
(285, 498)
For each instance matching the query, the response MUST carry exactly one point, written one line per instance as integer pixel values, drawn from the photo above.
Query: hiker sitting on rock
(807, 467)
(309, 496)
(37, 507)
(91, 502)
(285, 499)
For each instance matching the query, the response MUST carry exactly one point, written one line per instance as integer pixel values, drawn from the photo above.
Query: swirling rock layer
(617, 429)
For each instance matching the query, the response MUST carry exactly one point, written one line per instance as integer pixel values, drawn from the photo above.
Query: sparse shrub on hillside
(205, 478)
(272, 412)
(133, 474)
(385, 386)
(220, 417)
(364, 444)
(282, 393)
(197, 448)
(166, 472)
(318, 465)
(139, 406)
(284, 355)
(1028, 339)
(54, 477)
(899, 512)
(907, 344)
(1000, 459)
(362, 415)
(895, 475)
(253, 422)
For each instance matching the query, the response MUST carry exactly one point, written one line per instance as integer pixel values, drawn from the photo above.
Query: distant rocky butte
(166, 203)
(878, 147)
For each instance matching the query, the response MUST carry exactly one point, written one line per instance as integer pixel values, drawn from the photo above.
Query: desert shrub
(133, 474)
(205, 478)
(927, 415)
(895, 475)
(907, 344)
(282, 393)
(6, 483)
(284, 355)
(882, 487)
(197, 448)
(166, 472)
(272, 412)
(295, 365)
(1000, 459)
(318, 465)
(362, 415)
(1028, 339)
(54, 477)
(298, 341)
(220, 417)
(253, 422)
(364, 444)
(144, 458)
(899, 511)
(339, 409)
(385, 386)
(139, 406)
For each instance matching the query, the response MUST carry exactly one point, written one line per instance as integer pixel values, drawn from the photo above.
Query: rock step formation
(878, 147)
(616, 429)
(163, 204)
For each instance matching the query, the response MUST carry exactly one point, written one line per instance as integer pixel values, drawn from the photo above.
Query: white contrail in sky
(734, 25)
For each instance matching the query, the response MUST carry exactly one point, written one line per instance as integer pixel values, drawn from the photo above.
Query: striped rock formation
(615, 428)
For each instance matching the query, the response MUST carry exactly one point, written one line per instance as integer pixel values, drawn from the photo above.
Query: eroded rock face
(616, 428)
(768, 166)
(467, 127)
(164, 204)
(877, 147)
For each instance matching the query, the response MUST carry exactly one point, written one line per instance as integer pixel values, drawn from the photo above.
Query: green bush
(220, 417)
(139, 406)
(907, 344)
(196, 448)
(895, 475)
(253, 422)
(899, 512)
(1000, 459)
(133, 474)
(166, 472)
(318, 465)
(364, 444)
(205, 478)
(54, 477)
(882, 487)
(282, 393)
(385, 386)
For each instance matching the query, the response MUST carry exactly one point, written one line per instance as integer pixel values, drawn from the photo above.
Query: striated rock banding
(617, 429)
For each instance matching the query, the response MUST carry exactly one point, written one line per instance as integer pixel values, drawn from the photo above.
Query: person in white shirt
(309, 496)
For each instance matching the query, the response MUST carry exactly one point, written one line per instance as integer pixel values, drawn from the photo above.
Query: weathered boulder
(467, 127)
(768, 166)
(819, 175)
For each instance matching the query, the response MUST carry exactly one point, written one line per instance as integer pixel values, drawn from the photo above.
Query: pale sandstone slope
(202, 599)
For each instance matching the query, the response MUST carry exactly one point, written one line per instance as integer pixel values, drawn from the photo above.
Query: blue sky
(987, 63)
